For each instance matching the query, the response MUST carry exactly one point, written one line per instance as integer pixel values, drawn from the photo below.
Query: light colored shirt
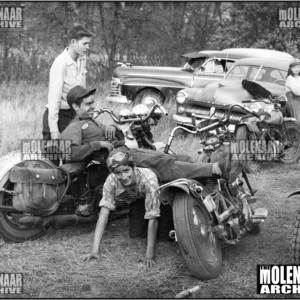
(65, 73)
(146, 188)
(292, 84)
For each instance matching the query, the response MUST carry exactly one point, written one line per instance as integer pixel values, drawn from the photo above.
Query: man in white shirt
(67, 71)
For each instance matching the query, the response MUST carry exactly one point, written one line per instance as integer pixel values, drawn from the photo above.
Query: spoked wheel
(10, 231)
(291, 152)
(295, 243)
(199, 246)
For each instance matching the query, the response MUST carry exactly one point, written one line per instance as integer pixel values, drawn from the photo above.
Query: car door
(213, 69)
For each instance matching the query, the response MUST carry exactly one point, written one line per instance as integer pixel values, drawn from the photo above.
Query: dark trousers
(65, 116)
(138, 226)
(170, 167)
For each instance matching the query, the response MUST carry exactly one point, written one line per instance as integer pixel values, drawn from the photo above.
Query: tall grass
(51, 264)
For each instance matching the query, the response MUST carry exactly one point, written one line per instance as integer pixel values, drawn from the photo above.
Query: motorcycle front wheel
(10, 231)
(199, 246)
(295, 243)
(291, 152)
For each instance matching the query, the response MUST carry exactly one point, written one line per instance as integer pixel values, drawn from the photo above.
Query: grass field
(51, 265)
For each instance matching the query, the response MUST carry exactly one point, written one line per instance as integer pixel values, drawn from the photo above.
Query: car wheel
(149, 97)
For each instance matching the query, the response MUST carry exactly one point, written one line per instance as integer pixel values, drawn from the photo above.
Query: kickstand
(252, 192)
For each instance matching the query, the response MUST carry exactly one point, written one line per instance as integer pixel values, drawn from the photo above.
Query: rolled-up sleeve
(57, 75)
(109, 192)
(152, 202)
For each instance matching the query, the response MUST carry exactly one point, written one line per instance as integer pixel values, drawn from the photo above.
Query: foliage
(144, 33)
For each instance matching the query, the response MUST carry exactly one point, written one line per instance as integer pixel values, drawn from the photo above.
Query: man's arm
(152, 232)
(57, 75)
(78, 151)
(101, 224)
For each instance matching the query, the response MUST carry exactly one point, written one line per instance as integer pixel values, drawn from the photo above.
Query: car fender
(189, 186)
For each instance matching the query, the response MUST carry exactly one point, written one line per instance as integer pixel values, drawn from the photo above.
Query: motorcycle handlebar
(129, 120)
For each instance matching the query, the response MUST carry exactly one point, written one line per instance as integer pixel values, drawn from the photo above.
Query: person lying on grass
(138, 187)
(91, 140)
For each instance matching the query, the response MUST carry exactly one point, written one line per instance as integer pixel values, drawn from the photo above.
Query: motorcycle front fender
(169, 190)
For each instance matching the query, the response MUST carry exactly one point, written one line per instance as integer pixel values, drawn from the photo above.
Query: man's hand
(110, 132)
(90, 256)
(107, 145)
(55, 135)
(149, 262)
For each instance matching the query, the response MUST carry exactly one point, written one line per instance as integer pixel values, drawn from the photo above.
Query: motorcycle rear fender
(294, 193)
(169, 190)
(7, 162)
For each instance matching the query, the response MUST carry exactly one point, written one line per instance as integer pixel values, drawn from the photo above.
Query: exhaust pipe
(54, 220)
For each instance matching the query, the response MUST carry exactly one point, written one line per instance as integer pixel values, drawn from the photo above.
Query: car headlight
(181, 110)
(255, 107)
(181, 97)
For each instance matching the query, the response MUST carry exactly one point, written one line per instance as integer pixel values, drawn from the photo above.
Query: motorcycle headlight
(181, 97)
(140, 109)
(125, 113)
(255, 107)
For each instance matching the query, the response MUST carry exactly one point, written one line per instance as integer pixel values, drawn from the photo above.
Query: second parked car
(269, 73)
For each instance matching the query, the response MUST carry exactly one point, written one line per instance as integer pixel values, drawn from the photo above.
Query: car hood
(146, 71)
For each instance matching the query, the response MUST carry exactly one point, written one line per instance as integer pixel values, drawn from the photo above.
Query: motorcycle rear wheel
(295, 243)
(10, 231)
(200, 248)
(292, 154)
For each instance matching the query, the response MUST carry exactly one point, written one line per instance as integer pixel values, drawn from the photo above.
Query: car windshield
(258, 73)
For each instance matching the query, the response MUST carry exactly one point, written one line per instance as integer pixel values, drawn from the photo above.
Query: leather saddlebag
(38, 191)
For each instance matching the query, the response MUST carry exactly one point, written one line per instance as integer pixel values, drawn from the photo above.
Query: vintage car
(159, 84)
(269, 73)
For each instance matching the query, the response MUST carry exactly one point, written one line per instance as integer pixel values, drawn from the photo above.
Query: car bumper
(118, 99)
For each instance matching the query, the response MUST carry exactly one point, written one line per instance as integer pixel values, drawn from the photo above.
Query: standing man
(68, 70)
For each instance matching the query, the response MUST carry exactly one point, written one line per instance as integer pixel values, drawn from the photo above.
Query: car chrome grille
(234, 118)
(114, 89)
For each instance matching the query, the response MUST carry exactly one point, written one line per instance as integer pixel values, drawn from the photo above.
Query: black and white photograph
(149, 149)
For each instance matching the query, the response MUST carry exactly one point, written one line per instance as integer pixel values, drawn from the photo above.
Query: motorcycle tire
(293, 130)
(295, 243)
(244, 134)
(10, 231)
(200, 248)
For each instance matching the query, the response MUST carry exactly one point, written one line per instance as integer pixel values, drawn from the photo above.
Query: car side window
(271, 75)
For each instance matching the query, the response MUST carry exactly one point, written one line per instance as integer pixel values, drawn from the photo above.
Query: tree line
(143, 33)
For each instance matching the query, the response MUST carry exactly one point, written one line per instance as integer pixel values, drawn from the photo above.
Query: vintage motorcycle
(272, 134)
(209, 213)
(36, 194)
